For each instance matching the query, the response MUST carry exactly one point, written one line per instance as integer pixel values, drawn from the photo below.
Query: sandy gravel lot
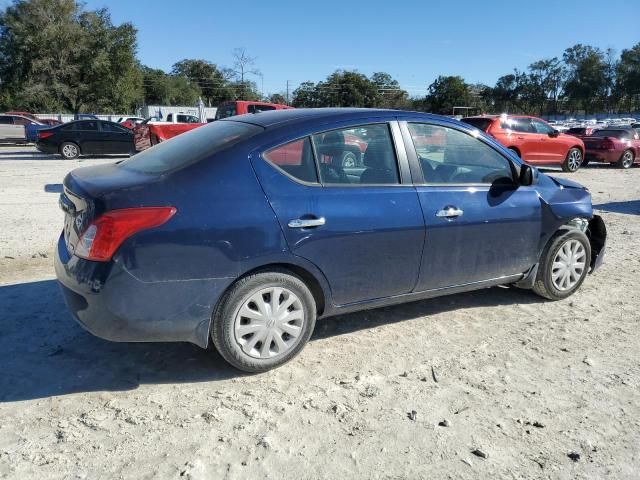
(541, 389)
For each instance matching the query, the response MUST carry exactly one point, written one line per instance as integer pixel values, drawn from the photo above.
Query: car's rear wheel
(564, 265)
(573, 160)
(264, 320)
(626, 159)
(69, 150)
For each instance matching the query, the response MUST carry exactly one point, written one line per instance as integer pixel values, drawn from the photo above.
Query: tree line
(58, 56)
(585, 79)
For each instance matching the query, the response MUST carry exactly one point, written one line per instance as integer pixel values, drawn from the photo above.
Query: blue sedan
(243, 232)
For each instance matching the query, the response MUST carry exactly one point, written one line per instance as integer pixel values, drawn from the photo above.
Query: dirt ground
(537, 389)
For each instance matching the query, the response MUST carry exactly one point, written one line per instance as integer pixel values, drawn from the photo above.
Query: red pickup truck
(153, 130)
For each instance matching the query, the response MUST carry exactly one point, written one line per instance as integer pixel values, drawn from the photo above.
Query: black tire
(573, 161)
(223, 321)
(626, 160)
(69, 150)
(544, 285)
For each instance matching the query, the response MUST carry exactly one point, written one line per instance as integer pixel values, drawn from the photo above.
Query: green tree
(163, 89)
(211, 81)
(306, 96)
(627, 84)
(447, 92)
(390, 95)
(55, 55)
(586, 84)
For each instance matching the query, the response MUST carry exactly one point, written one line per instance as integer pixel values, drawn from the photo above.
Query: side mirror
(528, 175)
(554, 134)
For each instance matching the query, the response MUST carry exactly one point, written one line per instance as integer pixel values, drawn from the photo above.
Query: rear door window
(362, 155)
(295, 159)
(521, 125)
(6, 120)
(87, 126)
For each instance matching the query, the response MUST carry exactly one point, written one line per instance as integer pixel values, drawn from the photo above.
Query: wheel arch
(69, 141)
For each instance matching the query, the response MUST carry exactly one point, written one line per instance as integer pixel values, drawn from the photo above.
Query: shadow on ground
(45, 353)
(630, 207)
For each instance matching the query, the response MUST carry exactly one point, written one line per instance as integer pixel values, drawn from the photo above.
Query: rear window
(479, 123)
(576, 131)
(190, 147)
(612, 133)
(226, 110)
(259, 108)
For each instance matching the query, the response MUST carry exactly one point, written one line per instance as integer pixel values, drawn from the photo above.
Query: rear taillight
(105, 234)
(607, 144)
(43, 135)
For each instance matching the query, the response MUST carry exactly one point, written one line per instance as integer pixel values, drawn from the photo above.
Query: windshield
(190, 147)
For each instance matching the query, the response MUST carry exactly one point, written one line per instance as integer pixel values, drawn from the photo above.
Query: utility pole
(287, 92)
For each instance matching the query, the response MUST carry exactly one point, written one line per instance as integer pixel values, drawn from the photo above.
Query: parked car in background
(155, 130)
(244, 231)
(86, 137)
(130, 122)
(580, 131)
(18, 129)
(619, 146)
(532, 139)
(44, 121)
(241, 107)
(85, 116)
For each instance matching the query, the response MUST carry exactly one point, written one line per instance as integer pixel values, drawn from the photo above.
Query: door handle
(306, 222)
(449, 212)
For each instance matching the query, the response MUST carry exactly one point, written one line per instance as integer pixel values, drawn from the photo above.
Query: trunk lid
(83, 196)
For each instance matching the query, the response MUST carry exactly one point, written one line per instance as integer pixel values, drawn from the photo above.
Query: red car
(31, 116)
(620, 146)
(532, 139)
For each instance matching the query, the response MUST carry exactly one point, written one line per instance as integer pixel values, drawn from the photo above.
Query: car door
(550, 147)
(528, 139)
(115, 139)
(10, 130)
(87, 134)
(480, 224)
(365, 235)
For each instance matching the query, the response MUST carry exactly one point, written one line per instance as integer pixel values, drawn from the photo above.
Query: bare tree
(243, 64)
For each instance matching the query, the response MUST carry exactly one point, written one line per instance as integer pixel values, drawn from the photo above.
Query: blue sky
(414, 41)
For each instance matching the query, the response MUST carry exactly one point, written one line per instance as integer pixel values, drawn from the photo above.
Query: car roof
(274, 118)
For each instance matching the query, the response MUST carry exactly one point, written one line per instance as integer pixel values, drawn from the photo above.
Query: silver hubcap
(575, 159)
(569, 265)
(627, 159)
(269, 322)
(69, 151)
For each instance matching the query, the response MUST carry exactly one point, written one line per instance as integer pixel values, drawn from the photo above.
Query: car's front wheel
(264, 320)
(573, 160)
(564, 265)
(69, 150)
